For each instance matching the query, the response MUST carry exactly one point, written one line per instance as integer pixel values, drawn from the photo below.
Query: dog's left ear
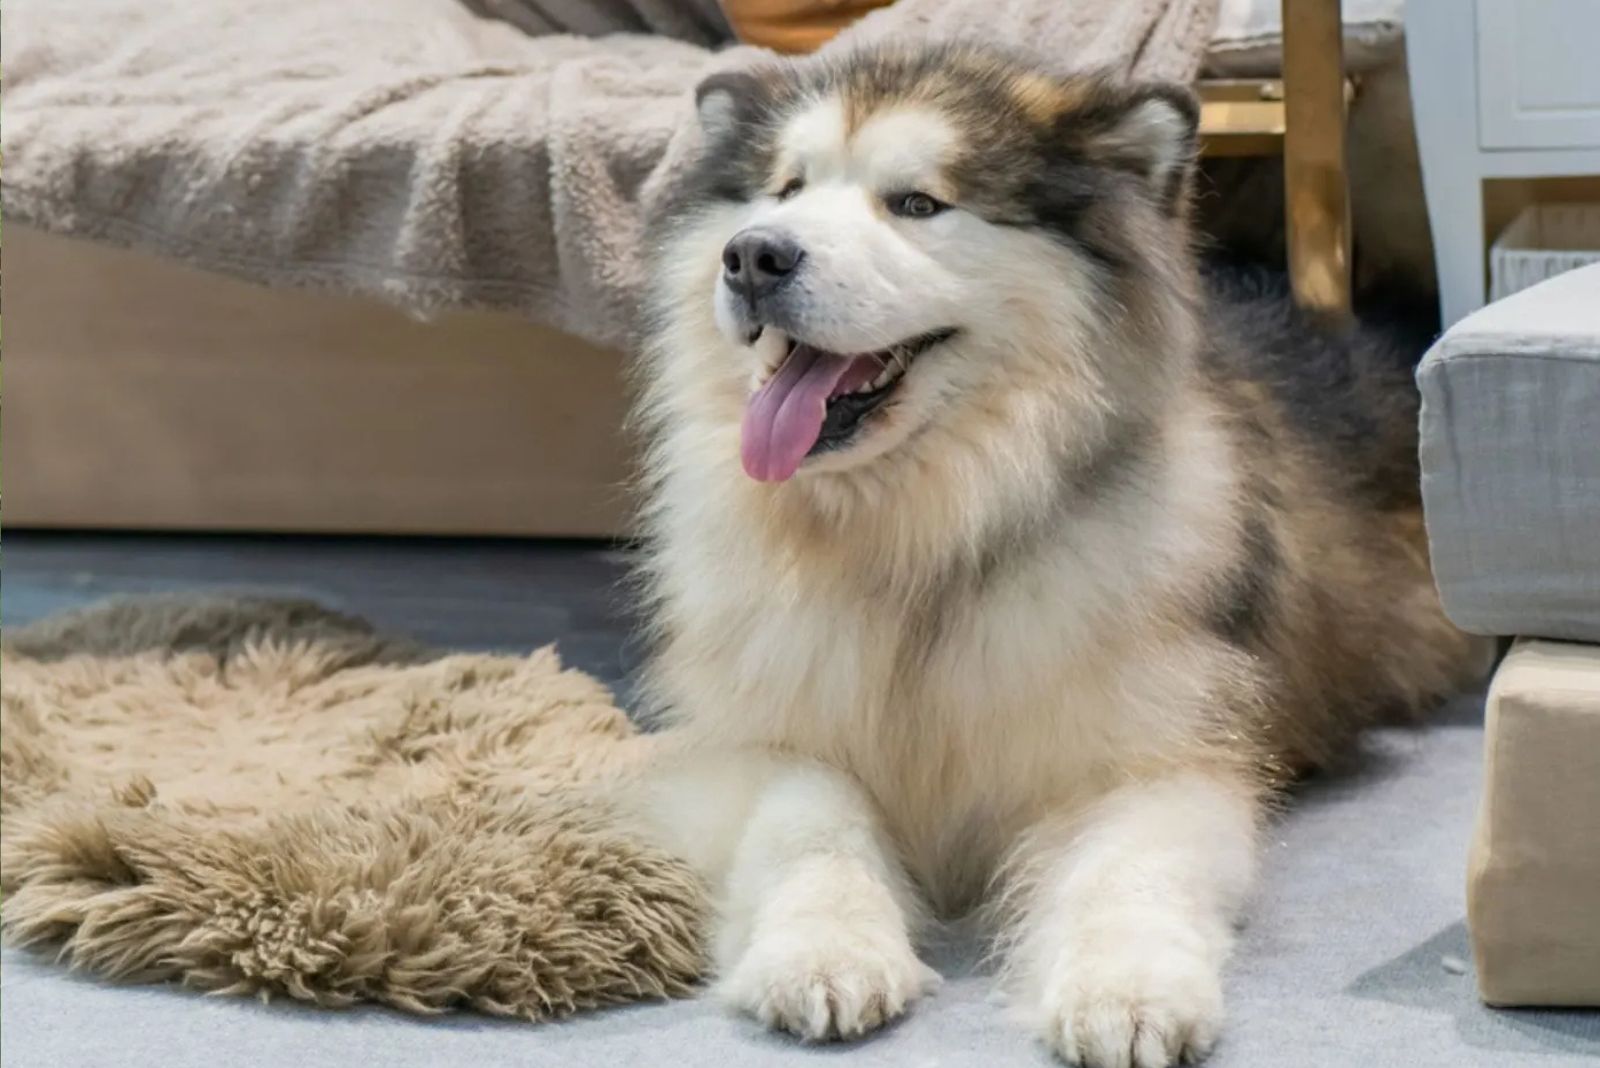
(1153, 132)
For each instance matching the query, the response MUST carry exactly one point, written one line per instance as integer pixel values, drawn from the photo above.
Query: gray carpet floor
(1355, 954)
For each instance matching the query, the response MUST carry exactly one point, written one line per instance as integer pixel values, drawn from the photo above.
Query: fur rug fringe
(258, 796)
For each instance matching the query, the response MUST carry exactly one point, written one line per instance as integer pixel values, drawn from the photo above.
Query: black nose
(759, 260)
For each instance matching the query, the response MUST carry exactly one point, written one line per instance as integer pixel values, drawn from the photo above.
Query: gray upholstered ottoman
(1511, 462)
(1511, 484)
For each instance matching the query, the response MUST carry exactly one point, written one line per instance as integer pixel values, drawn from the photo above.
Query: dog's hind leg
(816, 916)
(1124, 916)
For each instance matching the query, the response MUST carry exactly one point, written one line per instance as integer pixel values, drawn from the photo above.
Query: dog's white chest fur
(965, 716)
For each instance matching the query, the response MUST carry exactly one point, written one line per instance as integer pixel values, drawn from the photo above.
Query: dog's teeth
(879, 382)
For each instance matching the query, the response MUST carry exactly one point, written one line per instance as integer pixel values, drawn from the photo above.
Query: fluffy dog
(997, 557)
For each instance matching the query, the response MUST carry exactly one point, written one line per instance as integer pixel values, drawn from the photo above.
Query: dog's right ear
(728, 100)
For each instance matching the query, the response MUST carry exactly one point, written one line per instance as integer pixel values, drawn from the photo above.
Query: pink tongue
(783, 420)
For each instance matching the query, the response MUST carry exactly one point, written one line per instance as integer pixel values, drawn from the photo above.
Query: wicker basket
(1542, 242)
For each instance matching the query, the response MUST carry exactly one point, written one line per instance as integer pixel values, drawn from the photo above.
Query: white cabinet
(1538, 73)
(1500, 89)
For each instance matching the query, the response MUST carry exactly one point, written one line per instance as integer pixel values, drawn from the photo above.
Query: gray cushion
(1511, 462)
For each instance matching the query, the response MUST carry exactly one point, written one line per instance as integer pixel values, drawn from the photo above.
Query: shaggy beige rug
(260, 796)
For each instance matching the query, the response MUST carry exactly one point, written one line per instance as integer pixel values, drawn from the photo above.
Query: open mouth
(816, 401)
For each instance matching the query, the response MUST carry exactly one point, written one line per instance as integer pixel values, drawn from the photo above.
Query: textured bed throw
(259, 796)
(434, 153)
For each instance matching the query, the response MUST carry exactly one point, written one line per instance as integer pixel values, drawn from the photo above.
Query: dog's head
(869, 246)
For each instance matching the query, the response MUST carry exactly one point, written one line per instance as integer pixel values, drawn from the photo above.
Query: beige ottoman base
(1533, 895)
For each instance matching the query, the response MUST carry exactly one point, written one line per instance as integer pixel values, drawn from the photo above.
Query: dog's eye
(915, 205)
(791, 187)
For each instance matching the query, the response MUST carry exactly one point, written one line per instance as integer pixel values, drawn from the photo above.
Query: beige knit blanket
(259, 796)
(417, 150)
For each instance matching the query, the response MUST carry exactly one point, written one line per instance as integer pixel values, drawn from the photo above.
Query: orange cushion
(794, 26)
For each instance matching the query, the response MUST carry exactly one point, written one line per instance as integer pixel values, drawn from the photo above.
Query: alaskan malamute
(997, 558)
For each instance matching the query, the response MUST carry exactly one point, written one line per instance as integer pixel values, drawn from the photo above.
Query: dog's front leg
(816, 915)
(1126, 917)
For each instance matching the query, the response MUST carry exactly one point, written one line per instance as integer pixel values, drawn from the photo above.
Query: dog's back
(1336, 594)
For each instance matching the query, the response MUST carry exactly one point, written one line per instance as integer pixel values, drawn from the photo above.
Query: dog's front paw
(1141, 1004)
(821, 979)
